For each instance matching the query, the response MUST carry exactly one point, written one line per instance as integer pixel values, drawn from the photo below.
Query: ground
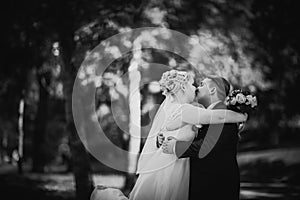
(269, 174)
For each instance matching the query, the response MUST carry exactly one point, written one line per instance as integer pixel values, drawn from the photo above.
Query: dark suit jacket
(216, 176)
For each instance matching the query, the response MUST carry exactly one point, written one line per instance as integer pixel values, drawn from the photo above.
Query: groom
(214, 172)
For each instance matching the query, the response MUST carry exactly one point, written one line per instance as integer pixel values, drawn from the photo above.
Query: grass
(268, 174)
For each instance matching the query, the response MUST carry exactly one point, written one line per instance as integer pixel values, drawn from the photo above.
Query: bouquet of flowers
(241, 101)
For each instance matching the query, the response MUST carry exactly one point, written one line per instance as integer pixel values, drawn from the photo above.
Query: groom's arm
(188, 149)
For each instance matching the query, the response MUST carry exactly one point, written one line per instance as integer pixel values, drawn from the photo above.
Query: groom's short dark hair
(223, 86)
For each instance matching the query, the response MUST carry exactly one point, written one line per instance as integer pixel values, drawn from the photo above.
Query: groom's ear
(213, 90)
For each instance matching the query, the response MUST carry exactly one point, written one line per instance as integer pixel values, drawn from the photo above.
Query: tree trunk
(135, 118)
(80, 160)
(80, 165)
(134, 124)
(21, 135)
(39, 154)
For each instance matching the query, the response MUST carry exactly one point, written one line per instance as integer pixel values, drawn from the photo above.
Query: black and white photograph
(150, 100)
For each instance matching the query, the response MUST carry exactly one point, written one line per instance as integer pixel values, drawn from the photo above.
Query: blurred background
(254, 44)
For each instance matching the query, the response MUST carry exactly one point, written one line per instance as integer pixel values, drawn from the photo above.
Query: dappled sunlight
(65, 182)
(212, 54)
(288, 156)
(113, 51)
(115, 181)
(156, 15)
(54, 182)
(250, 194)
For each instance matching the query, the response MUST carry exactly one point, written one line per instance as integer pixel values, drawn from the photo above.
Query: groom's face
(203, 92)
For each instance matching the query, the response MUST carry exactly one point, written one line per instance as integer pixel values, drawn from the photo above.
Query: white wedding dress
(163, 176)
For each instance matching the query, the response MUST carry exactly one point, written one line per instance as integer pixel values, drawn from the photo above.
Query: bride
(163, 176)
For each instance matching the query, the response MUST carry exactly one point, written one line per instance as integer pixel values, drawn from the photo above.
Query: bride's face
(190, 90)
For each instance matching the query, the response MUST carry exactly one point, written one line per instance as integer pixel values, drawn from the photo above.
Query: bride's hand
(168, 145)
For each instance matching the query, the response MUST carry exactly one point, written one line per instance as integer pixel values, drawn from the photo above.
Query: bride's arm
(195, 115)
(190, 114)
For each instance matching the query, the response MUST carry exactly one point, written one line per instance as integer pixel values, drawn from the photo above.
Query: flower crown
(171, 81)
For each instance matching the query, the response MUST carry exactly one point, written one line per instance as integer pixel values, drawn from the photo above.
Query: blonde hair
(171, 81)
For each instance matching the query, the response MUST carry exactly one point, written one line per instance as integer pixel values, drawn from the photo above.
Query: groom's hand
(168, 145)
(159, 140)
(241, 126)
